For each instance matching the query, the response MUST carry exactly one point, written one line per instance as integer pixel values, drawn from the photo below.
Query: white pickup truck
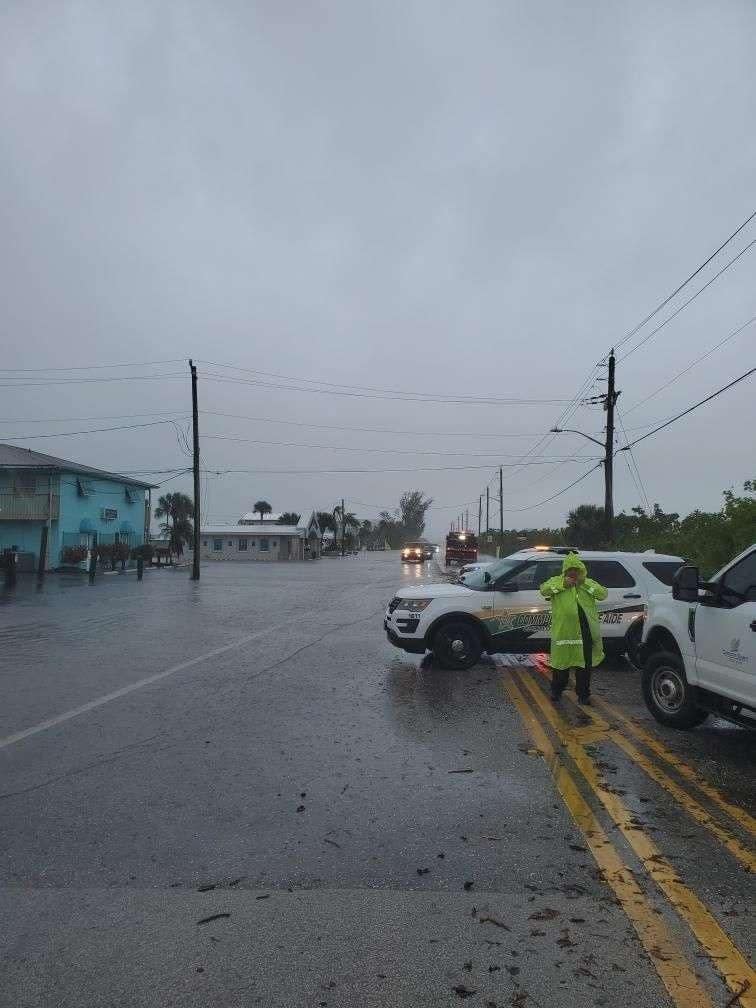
(699, 647)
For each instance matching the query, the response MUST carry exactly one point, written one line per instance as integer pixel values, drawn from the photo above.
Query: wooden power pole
(196, 472)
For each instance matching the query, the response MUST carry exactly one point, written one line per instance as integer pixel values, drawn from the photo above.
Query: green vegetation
(709, 539)
(289, 518)
(407, 522)
(262, 508)
(176, 509)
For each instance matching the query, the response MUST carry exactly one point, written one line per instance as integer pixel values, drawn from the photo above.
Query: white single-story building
(262, 541)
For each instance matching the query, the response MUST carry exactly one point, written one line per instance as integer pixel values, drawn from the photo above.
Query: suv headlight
(414, 604)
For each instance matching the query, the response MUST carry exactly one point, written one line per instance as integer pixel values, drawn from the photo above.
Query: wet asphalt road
(238, 793)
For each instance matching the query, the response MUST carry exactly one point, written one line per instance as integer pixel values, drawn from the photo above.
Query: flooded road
(236, 792)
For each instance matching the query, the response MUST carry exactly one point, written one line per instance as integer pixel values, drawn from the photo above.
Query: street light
(569, 430)
(608, 450)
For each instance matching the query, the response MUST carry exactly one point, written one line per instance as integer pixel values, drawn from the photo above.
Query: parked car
(500, 608)
(699, 647)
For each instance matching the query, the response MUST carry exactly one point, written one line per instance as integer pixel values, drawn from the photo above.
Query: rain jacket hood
(566, 637)
(572, 562)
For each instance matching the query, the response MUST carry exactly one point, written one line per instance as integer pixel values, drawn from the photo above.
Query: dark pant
(560, 679)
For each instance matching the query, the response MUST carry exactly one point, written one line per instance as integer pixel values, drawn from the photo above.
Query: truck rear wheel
(457, 645)
(667, 693)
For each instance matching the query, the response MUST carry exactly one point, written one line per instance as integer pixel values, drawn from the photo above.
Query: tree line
(708, 538)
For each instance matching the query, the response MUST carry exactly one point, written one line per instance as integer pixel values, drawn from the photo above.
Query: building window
(84, 488)
(204, 542)
(242, 544)
(264, 545)
(217, 545)
(230, 542)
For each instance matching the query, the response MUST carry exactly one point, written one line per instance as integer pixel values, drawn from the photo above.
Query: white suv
(699, 647)
(500, 608)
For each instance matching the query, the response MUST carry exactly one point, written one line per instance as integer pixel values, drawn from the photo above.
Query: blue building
(79, 505)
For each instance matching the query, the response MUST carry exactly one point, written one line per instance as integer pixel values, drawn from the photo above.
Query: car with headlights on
(416, 552)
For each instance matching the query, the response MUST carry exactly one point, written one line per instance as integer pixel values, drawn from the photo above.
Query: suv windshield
(479, 580)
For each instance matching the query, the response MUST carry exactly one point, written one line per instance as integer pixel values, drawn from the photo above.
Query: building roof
(250, 530)
(13, 457)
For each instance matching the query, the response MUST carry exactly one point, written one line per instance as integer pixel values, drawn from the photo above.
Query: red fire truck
(461, 547)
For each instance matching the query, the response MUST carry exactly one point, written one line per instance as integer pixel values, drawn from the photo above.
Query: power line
(22, 383)
(334, 472)
(690, 367)
(370, 430)
(689, 410)
(444, 400)
(91, 430)
(632, 465)
(546, 500)
(89, 419)
(382, 451)
(704, 264)
(95, 367)
(336, 385)
(433, 507)
(686, 303)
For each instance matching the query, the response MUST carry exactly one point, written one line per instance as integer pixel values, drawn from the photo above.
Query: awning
(86, 525)
(125, 526)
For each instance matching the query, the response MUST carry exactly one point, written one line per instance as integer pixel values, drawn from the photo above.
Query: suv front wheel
(457, 645)
(667, 693)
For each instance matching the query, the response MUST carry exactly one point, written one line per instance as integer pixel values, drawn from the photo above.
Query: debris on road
(464, 992)
(546, 914)
(490, 919)
(213, 917)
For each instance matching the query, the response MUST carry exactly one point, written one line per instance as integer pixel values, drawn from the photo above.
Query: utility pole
(467, 519)
(196, 471)
(501, 506)
(611, 399)
(343, 529)
(488, 519)
(480, 512)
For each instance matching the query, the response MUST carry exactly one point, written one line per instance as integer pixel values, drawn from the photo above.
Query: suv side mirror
(507, 586)
(685, 584)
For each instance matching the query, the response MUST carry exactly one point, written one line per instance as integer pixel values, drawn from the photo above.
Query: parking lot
(237, 792)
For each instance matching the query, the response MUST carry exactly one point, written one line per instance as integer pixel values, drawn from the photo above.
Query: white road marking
(10, 740)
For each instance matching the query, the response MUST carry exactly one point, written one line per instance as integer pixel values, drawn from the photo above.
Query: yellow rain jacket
(566, 639)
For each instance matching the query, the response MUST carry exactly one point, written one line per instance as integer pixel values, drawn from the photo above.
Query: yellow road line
(725, 955)
(674, 971)
(739, 815)
(696, 811)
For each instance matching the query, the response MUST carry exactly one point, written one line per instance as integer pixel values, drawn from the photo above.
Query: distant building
(79, 505)
(261, 541)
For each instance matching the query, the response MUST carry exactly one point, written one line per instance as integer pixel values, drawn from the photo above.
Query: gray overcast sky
(461, 199)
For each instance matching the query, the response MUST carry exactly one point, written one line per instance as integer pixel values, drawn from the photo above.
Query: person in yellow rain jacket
(575, 628)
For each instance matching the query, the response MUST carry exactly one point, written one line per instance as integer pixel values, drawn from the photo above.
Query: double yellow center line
(676, 973)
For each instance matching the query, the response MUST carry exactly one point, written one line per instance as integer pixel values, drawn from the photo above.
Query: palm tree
(177, 510)
(289, 518)
(262, 508)
(344, 521)
(365, 532)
